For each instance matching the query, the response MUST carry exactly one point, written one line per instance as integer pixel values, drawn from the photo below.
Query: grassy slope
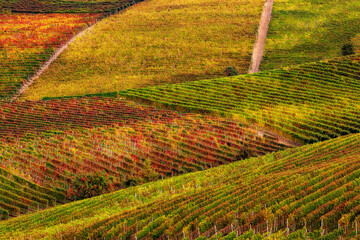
(309, 183)
(152, 43)
(310, 30)
(308, 103)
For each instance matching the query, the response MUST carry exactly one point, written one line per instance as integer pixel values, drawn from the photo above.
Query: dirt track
(47, 64)
(258, 50)
(55, 55)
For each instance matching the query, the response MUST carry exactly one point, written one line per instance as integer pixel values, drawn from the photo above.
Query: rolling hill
(52, 143)
(303, 31)
(154, 43)
(140, 117)
(312, 186)
(308, 103)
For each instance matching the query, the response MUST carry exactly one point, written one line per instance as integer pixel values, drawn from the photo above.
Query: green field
(304, 31)
(152, 43)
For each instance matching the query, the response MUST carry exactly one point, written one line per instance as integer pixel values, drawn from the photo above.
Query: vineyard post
(356, 228)
(267, 226)
(275, 223)
(287, 226)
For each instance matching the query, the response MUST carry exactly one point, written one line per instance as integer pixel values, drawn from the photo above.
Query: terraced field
(303, 31)
(153, 43)
(314, 187)
(308, 103)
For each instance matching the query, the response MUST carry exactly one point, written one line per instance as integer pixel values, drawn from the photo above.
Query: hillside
(303, 31)
(154, 43)
(64, 6)
(312, 186)
(19, 196)
(28, 40)
(140, 130)
(54, 143)
(34, 31)
(308, 103)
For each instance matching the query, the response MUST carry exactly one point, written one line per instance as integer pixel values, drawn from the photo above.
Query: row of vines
(314, 188)
(28, 40)
(32, 30)
(50, 143)
(58, 6)
(308, 103)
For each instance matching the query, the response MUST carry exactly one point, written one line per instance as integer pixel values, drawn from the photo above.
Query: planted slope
(65, 6)
(152, 43)
(313, 184)
(309, 103)
(28, 40)
(304, 31)
(19, 196)
(51, 143)
(30, 118)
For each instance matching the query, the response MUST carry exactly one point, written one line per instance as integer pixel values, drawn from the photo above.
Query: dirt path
(280, 139)
(258, 50)
(46, 65)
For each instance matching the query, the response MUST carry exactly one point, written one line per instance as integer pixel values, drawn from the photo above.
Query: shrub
(347, 49)
(90, 185)
(231, 71)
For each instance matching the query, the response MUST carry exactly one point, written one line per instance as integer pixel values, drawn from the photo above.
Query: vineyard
(314, 187)
(154, 43)
(303, 31)
(131, 143)
(65, 6)
(308, 103)
(140, 122)
(19, 196)
(28, 40)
